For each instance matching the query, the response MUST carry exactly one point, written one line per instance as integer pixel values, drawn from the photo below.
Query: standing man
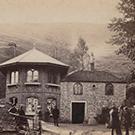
(126, 120)
(55, 113)
(115, 122)
(13, 109)
(22, 118)
(14, 112)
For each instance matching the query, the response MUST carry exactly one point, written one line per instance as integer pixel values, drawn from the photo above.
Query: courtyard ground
(71, 129)
(75, 129)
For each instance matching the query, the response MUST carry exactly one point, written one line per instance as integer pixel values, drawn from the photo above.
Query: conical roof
(33, 56)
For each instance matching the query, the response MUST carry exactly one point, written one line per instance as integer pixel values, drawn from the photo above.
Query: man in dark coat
(126, 120)
(13, 109)
(115, 122)
(55, 113)
(14, 112)
(22, 118)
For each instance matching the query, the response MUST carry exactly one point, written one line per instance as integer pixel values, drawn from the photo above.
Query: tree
(123, 29)
(79, 54)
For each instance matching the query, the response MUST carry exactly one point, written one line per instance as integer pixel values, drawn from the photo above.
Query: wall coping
(13, 84)
(52, 84)
(32, 83)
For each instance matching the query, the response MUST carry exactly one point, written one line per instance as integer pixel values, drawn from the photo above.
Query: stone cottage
(85, 93)
(33, 79)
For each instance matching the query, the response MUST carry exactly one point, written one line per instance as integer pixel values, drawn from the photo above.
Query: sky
(39, 11)
(62, 19)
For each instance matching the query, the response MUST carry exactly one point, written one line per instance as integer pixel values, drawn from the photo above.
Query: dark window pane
(109, 89)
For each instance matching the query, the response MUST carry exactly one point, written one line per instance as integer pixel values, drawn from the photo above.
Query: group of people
(19, 115)
(122, 118)
(52, 115)
(21, 118)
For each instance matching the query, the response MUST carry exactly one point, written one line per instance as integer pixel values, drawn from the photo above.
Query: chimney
(12, 44)
(92, 63)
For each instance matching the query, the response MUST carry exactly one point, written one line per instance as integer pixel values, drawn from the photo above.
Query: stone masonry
(94, 99)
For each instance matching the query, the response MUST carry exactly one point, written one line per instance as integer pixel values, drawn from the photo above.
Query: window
(14, 77)
(51, 103)
(31, 105)
(78, 89)
(52, 77)
(109, 89)
(32, 76)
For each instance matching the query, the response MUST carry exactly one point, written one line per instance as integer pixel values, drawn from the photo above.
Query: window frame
(14, 77)
(31, 78)
(109, 91)
(75, 90)
(32, 103)
(50, 104)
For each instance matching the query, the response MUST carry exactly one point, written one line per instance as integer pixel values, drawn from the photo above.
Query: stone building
(33, 79)
(85, 93)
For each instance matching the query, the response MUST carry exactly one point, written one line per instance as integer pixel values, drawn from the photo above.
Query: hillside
(49, 46)
(117, 64)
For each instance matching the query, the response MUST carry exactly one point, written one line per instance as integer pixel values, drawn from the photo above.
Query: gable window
(109, 89)
(14, 77)
(52, 78)
(32, 75)
(78, 89)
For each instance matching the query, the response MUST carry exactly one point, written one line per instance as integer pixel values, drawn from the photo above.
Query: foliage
(123, 29)
(79, 54)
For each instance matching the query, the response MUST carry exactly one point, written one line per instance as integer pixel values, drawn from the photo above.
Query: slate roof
(92, 76)
(33, 56)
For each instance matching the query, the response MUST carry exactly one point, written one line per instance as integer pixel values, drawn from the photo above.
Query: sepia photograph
(67, 67)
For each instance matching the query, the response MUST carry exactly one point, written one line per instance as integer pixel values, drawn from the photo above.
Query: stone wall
(94, 99)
